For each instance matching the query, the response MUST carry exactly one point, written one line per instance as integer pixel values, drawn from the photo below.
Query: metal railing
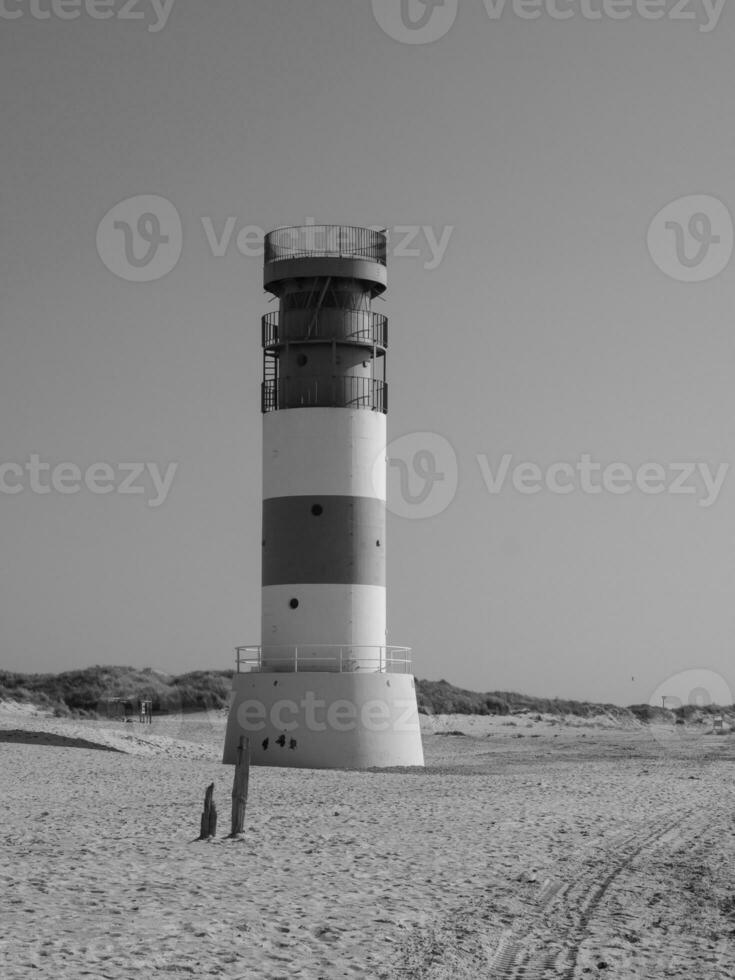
(346, 326)
(328, 658)
(347, 391)
(334, 241)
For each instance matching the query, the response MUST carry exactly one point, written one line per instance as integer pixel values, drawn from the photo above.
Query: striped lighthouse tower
(323, 689)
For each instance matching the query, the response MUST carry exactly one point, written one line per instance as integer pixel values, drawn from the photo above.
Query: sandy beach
(528, 848)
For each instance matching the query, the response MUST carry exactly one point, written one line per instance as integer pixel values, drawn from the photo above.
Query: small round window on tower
(317, 510)
(301, 360)
(294, 603)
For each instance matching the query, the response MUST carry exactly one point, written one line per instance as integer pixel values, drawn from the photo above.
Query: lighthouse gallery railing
(329, 658)
(360, 327)
(335, 241)
(344, 392)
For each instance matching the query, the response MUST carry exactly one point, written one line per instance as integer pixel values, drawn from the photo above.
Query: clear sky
(547, 331)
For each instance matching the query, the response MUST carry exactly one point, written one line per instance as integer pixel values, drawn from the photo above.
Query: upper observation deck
(325, 251)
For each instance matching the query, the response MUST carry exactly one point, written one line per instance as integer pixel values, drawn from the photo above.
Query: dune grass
(85, 692)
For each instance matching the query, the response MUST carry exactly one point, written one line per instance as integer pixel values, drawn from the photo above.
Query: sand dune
(526, 849)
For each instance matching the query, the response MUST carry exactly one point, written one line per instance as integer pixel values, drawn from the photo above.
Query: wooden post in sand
(240, 786)
(209, 815)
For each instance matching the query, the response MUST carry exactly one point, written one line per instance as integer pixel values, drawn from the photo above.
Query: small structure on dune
(125, 709)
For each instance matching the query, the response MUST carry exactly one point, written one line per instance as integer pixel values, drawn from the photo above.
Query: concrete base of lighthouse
(325, 720)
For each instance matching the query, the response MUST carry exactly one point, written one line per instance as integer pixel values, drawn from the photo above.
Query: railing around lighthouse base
(330, 658)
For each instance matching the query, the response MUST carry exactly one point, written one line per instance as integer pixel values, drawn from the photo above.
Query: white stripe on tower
(324, 450)
(355, 614)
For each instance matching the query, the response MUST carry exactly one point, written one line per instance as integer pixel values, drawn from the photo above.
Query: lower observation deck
(335, 659)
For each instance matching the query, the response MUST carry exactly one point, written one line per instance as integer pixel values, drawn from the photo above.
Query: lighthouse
(323, 689)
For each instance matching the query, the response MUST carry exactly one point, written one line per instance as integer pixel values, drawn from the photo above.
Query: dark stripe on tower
(337, 540)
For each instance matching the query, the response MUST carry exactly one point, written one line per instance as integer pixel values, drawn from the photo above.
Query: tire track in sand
(546, 934)
(547, 937)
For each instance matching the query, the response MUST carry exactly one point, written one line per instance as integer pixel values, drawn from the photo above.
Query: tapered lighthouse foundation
(323, 689)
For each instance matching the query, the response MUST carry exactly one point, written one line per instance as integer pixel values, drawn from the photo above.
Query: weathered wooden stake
(240, 786)
(208, 826)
